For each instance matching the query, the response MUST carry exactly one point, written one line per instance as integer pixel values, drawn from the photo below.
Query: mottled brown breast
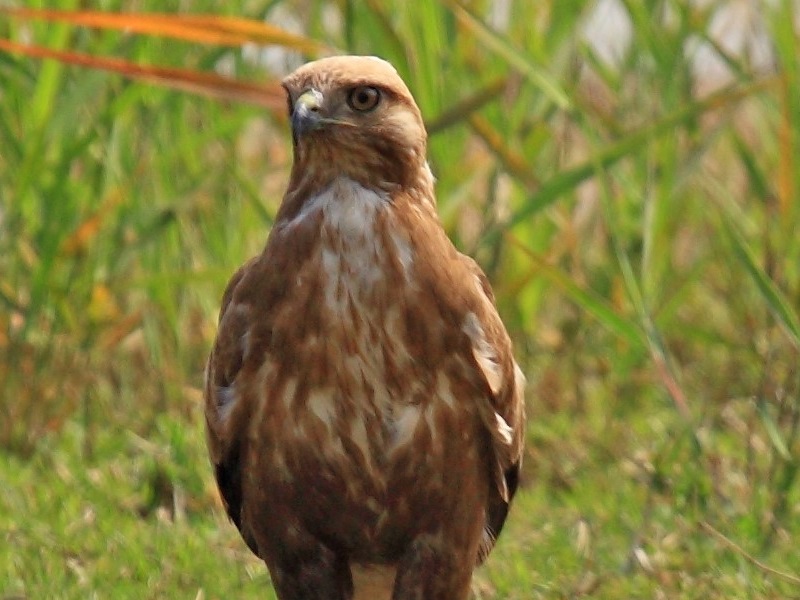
(356, 388)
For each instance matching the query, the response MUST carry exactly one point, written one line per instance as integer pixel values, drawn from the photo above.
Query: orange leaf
(513, 161)
(269, 95)
(206, 29)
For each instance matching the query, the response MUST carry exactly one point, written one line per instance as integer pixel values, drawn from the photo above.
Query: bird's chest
(355, 388)
(362, 393)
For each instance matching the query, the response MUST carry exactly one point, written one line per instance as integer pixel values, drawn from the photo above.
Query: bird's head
(354, 116)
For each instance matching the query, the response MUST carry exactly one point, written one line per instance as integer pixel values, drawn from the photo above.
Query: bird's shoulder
(464, 298)
(459, 290)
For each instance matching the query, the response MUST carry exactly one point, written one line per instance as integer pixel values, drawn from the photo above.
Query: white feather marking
(358, 435)
(505, 431)
(404, 252)
(320, 404)
(404, 421)
(443, 390)
(332, 266)
(484, 354)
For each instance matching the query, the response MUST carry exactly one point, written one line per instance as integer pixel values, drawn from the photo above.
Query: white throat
(350, 210)
(357, 234)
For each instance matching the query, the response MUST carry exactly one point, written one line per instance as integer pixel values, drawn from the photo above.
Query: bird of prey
(364, 411)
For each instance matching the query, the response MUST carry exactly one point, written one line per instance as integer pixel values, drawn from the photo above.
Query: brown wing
(224, 413)
(504, 411)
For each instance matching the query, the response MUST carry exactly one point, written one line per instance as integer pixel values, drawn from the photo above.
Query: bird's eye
(364, 98)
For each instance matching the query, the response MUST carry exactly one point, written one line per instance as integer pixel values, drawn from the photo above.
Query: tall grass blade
(776, 301)
(569, 179)
(772, 430)
(515, 58)
(587, 299)
(759, 183)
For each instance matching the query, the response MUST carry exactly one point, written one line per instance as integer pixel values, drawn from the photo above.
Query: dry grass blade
(207, 29)
(669, 381)
(742, 552)
(269, 95)
(514, 162)
(463, 109)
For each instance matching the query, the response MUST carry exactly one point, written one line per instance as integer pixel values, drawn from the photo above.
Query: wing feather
(225, 414)
(466, 297)
(503, 409)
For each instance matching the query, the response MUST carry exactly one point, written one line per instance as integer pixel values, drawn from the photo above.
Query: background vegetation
(628, 173)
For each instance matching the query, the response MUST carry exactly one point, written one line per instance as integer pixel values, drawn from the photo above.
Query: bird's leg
(433, 570)
(310, 572)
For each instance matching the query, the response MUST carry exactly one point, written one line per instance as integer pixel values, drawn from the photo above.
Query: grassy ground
(637, 215)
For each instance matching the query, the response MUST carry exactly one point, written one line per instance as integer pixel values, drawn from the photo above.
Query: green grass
(640, 231)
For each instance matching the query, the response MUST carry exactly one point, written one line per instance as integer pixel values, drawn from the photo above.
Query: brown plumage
(364, 411)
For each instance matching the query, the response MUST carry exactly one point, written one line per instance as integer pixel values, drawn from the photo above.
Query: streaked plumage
(364, 411)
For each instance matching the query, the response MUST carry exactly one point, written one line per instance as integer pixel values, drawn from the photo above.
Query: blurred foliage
(628, 173)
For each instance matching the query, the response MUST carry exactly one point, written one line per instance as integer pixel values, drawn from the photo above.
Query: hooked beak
(307, 115)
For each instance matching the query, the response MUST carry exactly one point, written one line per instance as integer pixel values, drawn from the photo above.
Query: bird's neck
(308, 183)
